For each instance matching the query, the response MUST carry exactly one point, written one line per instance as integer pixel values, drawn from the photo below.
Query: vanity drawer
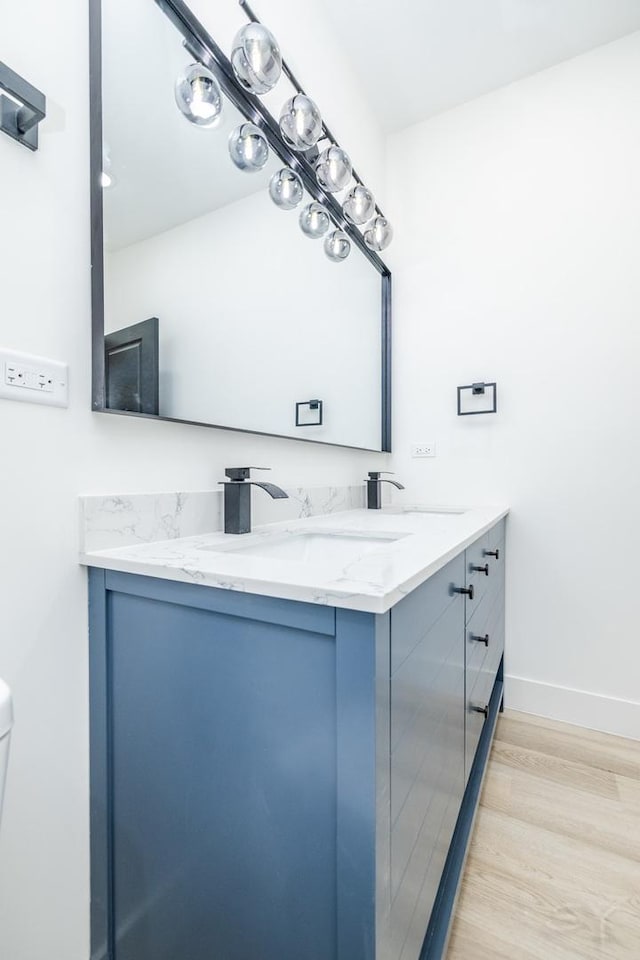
(477, 700)
(489, 623)
(485, 581)
(480, 678)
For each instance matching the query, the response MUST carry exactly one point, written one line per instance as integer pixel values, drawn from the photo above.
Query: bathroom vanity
(289, 731)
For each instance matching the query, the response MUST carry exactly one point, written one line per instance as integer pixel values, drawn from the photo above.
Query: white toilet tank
(6, 722)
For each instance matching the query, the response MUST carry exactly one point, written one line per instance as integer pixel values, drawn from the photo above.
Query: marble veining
(416, 541)
(120, 521)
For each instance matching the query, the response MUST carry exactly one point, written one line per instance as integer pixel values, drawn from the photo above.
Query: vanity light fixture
(199, 97)
(22, 107)
(301, 127)
(254, 68)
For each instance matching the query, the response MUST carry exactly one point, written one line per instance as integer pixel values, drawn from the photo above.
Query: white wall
(49, 456)
(516, 259)
(254, 318)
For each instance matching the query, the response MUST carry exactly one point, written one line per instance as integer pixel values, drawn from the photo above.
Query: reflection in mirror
(254, 309)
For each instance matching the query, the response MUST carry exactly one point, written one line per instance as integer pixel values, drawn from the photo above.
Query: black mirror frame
(203, 48)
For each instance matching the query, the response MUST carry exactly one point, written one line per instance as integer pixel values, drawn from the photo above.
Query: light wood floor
(553, 871)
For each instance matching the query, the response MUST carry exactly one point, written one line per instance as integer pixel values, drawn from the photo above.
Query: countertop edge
(325, 594)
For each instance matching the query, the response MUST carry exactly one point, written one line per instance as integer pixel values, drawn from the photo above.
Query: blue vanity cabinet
(277, 780)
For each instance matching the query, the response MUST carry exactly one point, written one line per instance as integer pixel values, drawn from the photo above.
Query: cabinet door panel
(422, 913)
(419, 695)
(427, 734)
(223, 747)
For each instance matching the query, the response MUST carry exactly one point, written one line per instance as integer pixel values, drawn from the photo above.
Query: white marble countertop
(391, 552)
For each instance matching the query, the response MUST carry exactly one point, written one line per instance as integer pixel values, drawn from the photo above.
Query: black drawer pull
(484, 639)
(483, 710)
(466, 590)
(492, 553)
(477, 569)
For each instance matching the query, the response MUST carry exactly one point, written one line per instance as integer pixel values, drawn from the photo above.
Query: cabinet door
(223, 754)
(427, 748)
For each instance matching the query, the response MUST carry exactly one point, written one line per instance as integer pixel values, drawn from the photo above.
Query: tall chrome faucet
(374, 485)
(237, 497)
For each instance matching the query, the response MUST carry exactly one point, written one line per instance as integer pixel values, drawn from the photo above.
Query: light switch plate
(33, 379)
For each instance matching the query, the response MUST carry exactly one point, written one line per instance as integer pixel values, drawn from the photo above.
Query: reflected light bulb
(248, 148)
(337, 246)
(285, 189)
(201, 106)
(198, 96)
(256, 58)
(314, 221)
(378, 234)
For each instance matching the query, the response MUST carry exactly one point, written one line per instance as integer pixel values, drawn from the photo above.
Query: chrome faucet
(237, 497)
(374, 485)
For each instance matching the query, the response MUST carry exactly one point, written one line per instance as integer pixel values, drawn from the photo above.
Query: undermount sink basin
(312, 547)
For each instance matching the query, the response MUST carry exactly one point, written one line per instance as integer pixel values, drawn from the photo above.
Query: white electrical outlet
(423, 449)
(33, 379)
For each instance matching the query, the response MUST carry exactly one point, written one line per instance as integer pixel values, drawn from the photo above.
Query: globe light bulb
(378, 234)
(285, 189)
(314, 221)
(359, 205)
(337, 246)
(256, 58)
(333, 169)
(198, 96)
(248, 148)
(300, 122)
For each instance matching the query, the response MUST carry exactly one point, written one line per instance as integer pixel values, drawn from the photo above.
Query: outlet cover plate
(33, 379)
(425, 449)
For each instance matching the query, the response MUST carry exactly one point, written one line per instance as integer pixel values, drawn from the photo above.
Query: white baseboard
(621, 717)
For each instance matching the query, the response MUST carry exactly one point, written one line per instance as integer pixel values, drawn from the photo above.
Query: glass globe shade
(285, 188)
(314, 221)
(337, 246)
(378, 234)
(333, 169)
(256, 58)
(198, 96)
(359, 205)
(300, 122)
(248, 148)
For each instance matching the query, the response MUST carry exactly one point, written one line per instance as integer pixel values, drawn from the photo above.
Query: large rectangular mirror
(209, 304)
